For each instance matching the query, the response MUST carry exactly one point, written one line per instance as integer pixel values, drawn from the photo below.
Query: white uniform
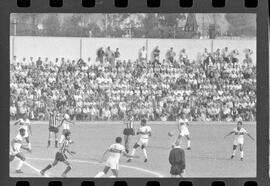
(115, 153)
(144, 135)
(66, 123)
(239, 136)
(183, 127)
(16, 145)
(24, 124)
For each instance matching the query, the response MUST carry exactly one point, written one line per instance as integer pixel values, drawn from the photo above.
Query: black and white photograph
(106, 95)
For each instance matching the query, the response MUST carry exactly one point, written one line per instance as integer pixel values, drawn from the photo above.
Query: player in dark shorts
(128, 131)
(53, 127)
(61, 156)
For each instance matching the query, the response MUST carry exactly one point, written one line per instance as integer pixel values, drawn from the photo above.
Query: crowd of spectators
(216, 87)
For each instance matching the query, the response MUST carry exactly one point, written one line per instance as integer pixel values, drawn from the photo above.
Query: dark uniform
(128, 131)
(177, 161)
(61, 154)
(53, 122)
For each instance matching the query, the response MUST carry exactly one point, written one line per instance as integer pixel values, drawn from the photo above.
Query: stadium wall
(74, 48)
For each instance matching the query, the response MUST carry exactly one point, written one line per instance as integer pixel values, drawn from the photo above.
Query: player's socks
(188, 144)
(29, 147)
(132, 154)
(67, 170)
(46, 168)
(49, 142)
(145, 153)
(20, 164)
(100, 174)
(56, 144)
(241, 154)
(61, 138)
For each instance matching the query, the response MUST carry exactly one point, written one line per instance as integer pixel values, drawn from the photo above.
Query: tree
(242, 24)
(52, 25)
(72, 26)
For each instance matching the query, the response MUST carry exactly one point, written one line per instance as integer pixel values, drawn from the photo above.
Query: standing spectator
(142, 55)
(170, 55)
(100, 54)
(177, 160)
(117, 54)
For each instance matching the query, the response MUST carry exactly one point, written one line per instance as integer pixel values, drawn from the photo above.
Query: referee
(177, 160)
(128, 131)
(53, 127)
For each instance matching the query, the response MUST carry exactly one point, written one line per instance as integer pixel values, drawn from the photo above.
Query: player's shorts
(238, 141)
(60, 156)
(143, 142)
(112, 163)
(17, 154)
(66, 131)
(176, 170)
(53, 129)
(129, 131)
(184, 131)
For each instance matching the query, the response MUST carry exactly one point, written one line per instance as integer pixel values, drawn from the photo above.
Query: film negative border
(201, 6)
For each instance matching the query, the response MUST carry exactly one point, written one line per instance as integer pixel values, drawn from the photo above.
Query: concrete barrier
(74, 48)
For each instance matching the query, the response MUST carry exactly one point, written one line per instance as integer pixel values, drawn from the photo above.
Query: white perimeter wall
(73, 48)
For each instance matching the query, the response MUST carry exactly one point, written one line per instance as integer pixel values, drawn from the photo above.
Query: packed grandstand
(215, 87)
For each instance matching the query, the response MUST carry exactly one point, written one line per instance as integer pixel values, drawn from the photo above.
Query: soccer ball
(170, 133)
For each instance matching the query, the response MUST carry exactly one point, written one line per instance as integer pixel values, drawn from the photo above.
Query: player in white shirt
(144, 132)
(65, 127)
(24, 123)
(182, 127)
(115, 151)
(239, 133)
(15, 150)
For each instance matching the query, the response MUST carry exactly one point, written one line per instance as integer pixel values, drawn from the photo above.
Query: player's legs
(144, 152)
(188, 142)
(42, 172)
(133, 151)
(21, 158)
(49, 138)
(56, 139)
(28, 143)
(234, 150)
(115, 173)
(126, 139)
(102, 173)
(67, 169)
(11, 157)
(241, 146)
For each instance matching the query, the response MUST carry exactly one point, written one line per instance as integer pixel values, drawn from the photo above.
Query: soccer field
(209, 157)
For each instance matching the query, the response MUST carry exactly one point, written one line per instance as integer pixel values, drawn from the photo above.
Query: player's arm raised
(25, 148)
(250, 136)
(230, 133)
(17, 122)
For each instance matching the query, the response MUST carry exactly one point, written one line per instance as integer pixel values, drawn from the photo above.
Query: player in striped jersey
(61, 156)
(128, 131)
(15, 150)
(53, 129)
(24, 123)
(115, 151)
(65, 124)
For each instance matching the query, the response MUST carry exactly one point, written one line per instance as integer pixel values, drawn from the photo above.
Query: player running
(112, 162)
(144, 132)
(182, 127)
(24, 123)
(61, 156)
(128, 131)
(53, 127)
(65, 124)
(16, 146)
(239, 133)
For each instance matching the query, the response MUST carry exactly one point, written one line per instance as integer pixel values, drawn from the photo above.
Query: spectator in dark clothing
(177, 160)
